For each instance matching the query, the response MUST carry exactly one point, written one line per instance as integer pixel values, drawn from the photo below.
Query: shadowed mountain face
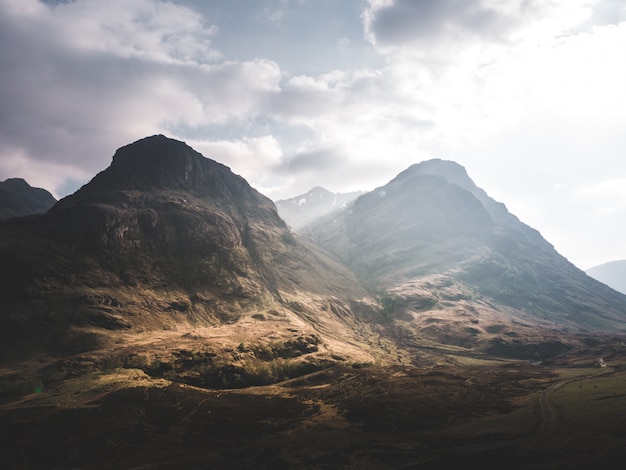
(162, 238)
(432, 220)
(161, 197)
(301, 210)
(18, 198)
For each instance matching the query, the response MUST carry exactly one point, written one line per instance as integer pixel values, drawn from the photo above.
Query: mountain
(301, 210)
(165, 239)
(165, 316)
(613, 274)
(430, 241)
(18, 198)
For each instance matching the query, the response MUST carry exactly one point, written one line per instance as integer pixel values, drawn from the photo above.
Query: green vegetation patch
(595, 405)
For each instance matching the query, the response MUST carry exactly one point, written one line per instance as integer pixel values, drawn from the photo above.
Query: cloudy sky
(528, 95)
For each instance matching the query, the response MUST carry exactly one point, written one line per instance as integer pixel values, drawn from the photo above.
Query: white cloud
(160, 31)
(83, 78)
(256, 159)
(47, 174)
(525, 94)
(253, 156)
(471, 90)
(613, 188)
(525, 100)
(145, 29)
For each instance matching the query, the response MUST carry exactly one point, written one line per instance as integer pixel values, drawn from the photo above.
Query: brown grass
(340, 417)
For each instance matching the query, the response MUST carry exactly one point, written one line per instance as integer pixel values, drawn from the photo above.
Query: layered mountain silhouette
(431, 229)
(18, 199)
(162, 237)
(165, 239)
(613, 274)
(301, 210)
(404, 330)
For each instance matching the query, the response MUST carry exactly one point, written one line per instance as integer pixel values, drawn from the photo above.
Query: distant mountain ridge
(431, 226)
(18, 198)
(613, 274)
(457, 174)
(301, 210)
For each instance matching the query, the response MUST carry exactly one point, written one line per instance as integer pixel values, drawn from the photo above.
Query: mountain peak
(16, 182)
(160, 168)
(158, 162)
(318, 190)
(18, 198)
(456, 174)
(447, 169)
(317, 202)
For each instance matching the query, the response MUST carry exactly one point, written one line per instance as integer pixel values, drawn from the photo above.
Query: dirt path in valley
(549, 412)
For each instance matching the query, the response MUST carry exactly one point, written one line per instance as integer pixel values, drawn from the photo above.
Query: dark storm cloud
(427, 21)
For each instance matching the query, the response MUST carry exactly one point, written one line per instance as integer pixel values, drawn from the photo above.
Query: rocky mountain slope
(164, 316)
(162, 240)
(301, 210)
(18, 198)
(168, 240)
(613, 274)
(431, 238)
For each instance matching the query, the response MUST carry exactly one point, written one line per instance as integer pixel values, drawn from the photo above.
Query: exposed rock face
(18, 198)
(433, 220)
(161, 200)
(158, 163)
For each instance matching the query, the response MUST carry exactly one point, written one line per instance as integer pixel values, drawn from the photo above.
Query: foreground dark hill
(18, 198)
(301, 210)
(161, 239)
(613, 274)
(431, 237)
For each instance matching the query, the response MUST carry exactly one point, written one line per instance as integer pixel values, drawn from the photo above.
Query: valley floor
(492, 414)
